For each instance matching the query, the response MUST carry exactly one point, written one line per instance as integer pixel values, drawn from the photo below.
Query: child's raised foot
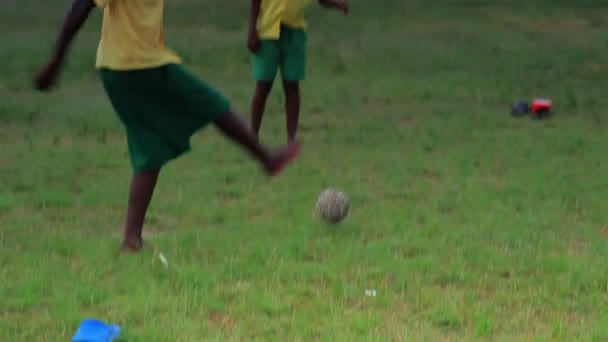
(281, 159)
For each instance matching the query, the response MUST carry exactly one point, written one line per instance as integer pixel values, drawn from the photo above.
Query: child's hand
(253, 42)
(46, 77)
(342, 6)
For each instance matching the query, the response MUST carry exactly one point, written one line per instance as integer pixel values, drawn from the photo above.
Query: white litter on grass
(371, 293)
(163, 259)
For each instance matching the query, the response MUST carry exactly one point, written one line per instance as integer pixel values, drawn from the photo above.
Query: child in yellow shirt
(159, 102)
(277, 39)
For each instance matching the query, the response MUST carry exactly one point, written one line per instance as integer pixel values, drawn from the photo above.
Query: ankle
(132, 242)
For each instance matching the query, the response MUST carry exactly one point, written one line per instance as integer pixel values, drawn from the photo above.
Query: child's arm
(74, 20)
(253, 40)
(340, 5)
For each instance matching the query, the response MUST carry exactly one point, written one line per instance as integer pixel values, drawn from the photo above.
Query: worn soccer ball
(332, 206)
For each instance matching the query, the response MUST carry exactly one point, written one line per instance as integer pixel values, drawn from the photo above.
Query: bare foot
(280, 159)
(132, 245)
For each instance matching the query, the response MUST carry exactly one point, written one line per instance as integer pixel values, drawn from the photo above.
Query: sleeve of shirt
(102, 3)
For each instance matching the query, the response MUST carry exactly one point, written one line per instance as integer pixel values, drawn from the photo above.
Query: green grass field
(469, 223)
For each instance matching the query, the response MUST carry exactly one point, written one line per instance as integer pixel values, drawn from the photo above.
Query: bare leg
(258, 105)
(273, 162)
(140, 194)
(292, 108)
(143, 183)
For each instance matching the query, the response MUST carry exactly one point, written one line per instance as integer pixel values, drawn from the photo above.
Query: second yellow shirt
(273, 13)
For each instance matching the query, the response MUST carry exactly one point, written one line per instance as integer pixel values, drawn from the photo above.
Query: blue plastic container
(91, 330)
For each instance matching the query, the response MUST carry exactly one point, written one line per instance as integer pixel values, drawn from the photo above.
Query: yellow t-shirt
(132, 35)
(273, 13)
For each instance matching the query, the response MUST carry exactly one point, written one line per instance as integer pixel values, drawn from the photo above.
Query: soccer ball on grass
(332, 206)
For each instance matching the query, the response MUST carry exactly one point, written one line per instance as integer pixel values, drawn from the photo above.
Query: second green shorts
(161, 108)
(288, 54)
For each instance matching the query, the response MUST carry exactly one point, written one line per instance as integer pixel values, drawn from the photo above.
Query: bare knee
(291, 88)
(262, 89)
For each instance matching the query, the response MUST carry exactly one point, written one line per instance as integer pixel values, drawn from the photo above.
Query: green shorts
(161, 108)
(287, 53)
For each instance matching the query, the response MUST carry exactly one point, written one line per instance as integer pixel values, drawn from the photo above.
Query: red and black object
(538, 109)
(541, 108)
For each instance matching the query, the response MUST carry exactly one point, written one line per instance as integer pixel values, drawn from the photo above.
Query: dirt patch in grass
(604, 231)
(220, 320)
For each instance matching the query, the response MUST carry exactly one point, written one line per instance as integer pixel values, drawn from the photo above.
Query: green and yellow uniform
(282, 29)
(159, 102)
